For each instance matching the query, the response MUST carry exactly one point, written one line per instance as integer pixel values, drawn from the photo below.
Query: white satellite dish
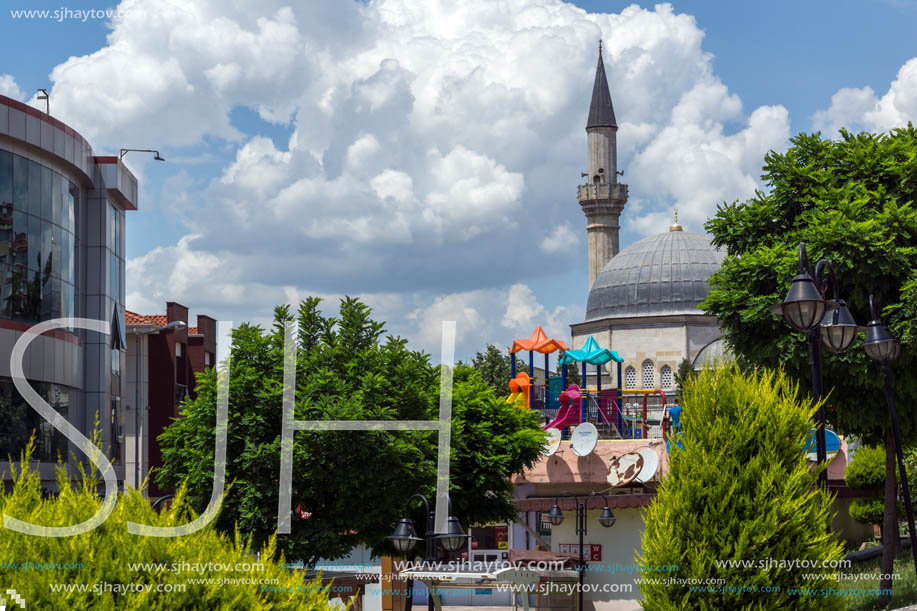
(650, 464)
(553, 441)
(584, 438)
(622, 470)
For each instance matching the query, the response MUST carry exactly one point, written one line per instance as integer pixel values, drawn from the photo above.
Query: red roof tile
(132, 318)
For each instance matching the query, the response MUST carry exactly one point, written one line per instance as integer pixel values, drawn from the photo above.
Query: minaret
(602, 197)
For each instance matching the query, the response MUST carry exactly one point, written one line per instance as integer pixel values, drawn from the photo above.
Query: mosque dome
(660, 275)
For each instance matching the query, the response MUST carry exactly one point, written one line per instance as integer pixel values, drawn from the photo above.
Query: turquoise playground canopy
(590, 353)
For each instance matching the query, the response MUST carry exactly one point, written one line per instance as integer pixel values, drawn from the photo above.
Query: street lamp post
(606, 519)
(405, 536)
(156, 154)
(882, 347)
(806, 310)
(138, 464)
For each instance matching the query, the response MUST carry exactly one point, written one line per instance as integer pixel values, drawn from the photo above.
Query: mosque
(642, 300)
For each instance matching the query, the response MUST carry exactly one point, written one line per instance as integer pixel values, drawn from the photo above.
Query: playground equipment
(538, 342)
(832, 445)
(592, 354)
(641, 417)
(519, 390)
(569, 412)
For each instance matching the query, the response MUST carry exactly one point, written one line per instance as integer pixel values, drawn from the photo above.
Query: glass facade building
(37, 242)
(62, 215)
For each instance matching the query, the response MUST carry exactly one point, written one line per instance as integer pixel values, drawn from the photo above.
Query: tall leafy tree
(495, 366)
(349, 487)
(850, 200)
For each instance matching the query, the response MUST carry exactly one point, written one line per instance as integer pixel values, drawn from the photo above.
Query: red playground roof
(539, 342)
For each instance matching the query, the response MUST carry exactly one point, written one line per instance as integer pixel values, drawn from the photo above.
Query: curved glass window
(37, 224)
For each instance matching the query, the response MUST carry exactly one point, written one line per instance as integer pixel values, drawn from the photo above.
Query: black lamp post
(606, 519)
(807, 311)
(882, 347)
(405, 536)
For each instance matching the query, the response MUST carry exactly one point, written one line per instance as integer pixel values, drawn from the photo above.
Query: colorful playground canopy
(591, 353)
(539, 342)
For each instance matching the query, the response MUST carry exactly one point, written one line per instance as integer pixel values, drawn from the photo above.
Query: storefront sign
(592, 552)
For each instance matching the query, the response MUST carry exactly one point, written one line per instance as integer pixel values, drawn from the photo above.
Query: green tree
(867, 473)
(495, 368)
(741, 489)
(104, 555)
(850, 200)
(349, 487)
(683, 374)
(573, 373)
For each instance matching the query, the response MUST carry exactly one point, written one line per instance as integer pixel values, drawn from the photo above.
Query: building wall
(620, 545)
(131, 413)
(73, 219)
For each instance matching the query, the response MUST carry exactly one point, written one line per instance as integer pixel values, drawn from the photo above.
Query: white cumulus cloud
(861, 108)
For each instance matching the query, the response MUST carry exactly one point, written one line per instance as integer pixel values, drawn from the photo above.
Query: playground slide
(567, 415)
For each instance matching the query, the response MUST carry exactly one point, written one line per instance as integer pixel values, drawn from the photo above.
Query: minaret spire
(602, 198)
(601, 110)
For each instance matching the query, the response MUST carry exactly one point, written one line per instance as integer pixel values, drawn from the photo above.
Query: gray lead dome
(659, 275)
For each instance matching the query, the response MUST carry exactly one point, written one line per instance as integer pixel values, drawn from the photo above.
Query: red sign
(591, 553)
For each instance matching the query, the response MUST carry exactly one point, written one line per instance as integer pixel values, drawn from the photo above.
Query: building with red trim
(171, 353)
(62, 218)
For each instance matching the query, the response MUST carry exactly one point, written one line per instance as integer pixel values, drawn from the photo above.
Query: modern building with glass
(62, 211)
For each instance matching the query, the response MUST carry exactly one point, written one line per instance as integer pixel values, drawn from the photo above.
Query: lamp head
(838, 329)
(556, 516)
(404, 537)
(880, 345)
(607, 519)
(804, 307)
(454, 537)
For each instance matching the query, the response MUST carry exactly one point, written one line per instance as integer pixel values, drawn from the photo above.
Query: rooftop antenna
(47, 100)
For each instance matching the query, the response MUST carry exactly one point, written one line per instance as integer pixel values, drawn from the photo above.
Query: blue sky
(223, 110)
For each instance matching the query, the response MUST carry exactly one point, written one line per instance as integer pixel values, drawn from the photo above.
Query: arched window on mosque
(630, 378)
(665, 377)
(649, 374)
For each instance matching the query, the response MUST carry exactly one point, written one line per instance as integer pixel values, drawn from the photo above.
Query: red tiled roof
(132, 318)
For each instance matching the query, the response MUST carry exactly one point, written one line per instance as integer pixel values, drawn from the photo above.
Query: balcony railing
(615, 191)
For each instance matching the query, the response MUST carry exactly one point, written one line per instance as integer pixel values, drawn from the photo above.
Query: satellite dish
(584, 438)
(832, 445)
(650, 465)
(624, 469)
(553, 441)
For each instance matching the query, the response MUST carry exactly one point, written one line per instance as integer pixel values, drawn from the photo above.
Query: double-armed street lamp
(807, 311)
(405, 536)
(606, 519)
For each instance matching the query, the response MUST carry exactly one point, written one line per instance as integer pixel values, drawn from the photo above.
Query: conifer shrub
(866, 473)
(741, 489)
(34, 566)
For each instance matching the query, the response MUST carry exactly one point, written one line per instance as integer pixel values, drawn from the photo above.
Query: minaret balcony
(602, 191)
